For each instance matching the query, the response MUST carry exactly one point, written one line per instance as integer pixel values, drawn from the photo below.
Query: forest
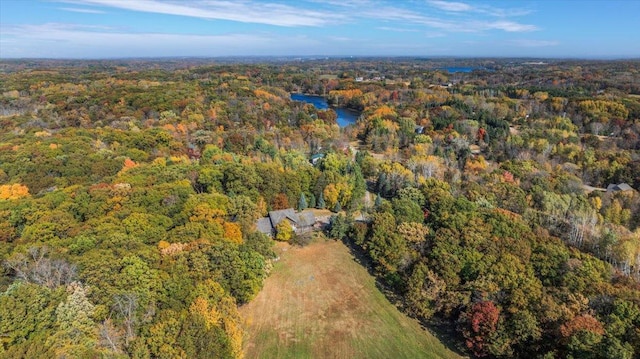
(504, 201)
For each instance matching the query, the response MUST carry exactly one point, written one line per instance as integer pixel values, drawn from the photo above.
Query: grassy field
(320, 303)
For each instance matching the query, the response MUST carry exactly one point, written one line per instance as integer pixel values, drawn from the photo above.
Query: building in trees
(622, 187)
(300, 222)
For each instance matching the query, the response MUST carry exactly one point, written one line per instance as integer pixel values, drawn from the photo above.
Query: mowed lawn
(318, 302)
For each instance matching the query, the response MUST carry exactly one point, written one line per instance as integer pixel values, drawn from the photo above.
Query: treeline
(509, 289)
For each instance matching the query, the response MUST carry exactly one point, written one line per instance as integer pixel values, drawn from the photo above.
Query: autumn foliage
(482, 322)
(13, 191)
(479, 198)
(584, 322)
(232, 232)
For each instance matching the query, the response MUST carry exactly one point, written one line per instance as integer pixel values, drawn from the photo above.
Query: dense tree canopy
(129, 193)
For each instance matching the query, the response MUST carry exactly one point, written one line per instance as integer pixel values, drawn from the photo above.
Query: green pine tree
(312, 201)
(321, 204)
(337, 208)
(378, 201)
(302, 202)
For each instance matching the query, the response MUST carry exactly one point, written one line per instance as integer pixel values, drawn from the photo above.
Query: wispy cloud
(450, 6)
(434, 35)
(419, 21)
(316, 13)
(498, 12)
(508, 26)
(58, 40)
(460, 7)
(340, 38)
(449, 25)
(84, 11)
(345, 3)
(396, 29)
(241, 11)
(389, 13)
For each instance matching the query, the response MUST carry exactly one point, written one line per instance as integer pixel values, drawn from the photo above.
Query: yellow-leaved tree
(13, 191)
(232, 232)
(284, 232)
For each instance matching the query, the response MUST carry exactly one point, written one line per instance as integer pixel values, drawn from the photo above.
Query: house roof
(619, 187)
(624, 187)
(307, 218)
(264, 225)
(268, 224)
(278, 216)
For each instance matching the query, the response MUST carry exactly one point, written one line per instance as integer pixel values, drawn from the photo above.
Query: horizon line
(320, 57)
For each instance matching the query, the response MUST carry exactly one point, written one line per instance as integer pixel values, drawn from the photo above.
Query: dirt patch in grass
(319, 303)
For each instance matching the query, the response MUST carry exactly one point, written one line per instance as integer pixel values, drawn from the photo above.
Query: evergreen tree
(312, 201)
(357, 182)
(337, 208)
(383, 184)
(302, 202)
(380, 183)
(378, 201)
(321, 204)
(338, 226)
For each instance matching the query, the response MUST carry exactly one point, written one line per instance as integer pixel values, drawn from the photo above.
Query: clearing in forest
(318, 302)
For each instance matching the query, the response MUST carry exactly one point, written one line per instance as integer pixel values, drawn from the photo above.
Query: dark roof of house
(268, 224)
(307, 218)
(619, 187)
(264, 225)
(278, 216)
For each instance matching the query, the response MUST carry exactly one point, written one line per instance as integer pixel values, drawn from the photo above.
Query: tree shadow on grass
(442, 330)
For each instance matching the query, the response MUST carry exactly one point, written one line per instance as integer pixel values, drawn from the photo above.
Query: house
(618, 187)
(301, 222)
(317, 157)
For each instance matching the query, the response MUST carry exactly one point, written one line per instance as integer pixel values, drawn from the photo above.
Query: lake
(454, 69)
(346, 116)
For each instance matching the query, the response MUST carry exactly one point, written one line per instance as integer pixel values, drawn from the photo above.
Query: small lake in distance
(454, 69)
(345, 118)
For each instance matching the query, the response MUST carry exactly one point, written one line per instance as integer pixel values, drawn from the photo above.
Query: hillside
(320, 303)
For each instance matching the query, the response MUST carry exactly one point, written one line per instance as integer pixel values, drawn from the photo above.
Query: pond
(455, 69)
(346, 116)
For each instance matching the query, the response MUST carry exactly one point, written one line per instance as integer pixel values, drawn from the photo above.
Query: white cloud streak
(450, 6)
(460, 7)
(83, 11)
(57, 40)
(240, 11)
(428, 18)
(450, 25)
(395, 29)
(508, 26)
(275, 14)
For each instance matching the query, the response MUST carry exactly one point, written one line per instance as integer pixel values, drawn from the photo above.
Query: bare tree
(582, 224)
(110, 336)
(38, 268)
(126, 305)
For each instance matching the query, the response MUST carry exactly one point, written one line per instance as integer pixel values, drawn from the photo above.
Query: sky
(91, 29)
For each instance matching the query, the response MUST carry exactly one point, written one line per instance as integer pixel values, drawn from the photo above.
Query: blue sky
(157, 28)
